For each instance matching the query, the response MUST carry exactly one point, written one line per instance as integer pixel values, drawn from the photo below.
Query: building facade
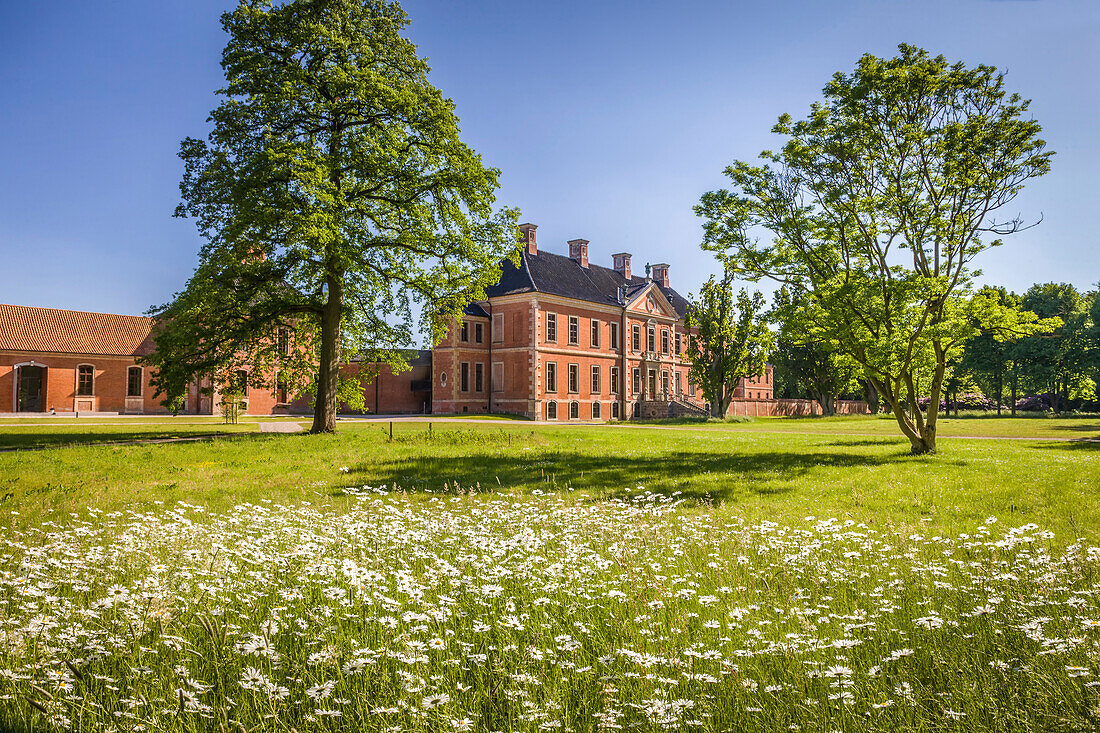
(560, 338)
(63, 361)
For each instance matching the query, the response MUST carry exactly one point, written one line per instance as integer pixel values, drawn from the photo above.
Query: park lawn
(34, 436)
(754, 473)
(984, 426)
(525, 577)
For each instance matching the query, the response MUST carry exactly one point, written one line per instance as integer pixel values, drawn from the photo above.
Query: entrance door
(32, 382)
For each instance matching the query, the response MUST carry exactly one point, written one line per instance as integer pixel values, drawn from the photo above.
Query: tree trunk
(872, 396)
(922, 437)
(1015, 381)
(828, 404)
(328, 375)
(1000, 391)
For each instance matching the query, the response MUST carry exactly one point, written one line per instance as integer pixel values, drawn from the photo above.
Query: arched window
(134, 381)
(85, 380)
(574, 410)
(551, 410)
(595, 410)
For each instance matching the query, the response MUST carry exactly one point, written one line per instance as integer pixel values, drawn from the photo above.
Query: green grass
(804, 575)
(1039, 426)
(752, 469)
(49, 436)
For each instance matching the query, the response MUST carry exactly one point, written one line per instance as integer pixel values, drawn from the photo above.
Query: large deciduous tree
(805, 359)
(337, 200)
(1058, 362)
(877, 204)
(729, 340)
(988, 357)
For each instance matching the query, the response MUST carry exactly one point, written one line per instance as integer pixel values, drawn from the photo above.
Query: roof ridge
(527, 271)
(72, 310)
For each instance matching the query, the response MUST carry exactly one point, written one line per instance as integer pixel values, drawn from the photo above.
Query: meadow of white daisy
(473, 612)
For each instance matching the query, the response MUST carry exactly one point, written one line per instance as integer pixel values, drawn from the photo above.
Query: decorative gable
(651, 301)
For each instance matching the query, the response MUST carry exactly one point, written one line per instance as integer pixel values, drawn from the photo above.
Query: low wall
(792, 408)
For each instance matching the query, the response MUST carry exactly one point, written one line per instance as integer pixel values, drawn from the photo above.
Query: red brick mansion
(558, 338)
(561, 338)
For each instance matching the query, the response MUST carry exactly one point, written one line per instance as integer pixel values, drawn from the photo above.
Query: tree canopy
(877, 205)
(729, 340)
(806, 359)
(337, 202)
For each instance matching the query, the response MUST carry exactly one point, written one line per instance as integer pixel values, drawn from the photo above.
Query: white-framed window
(614, 335)
(595, 379)
(651, 338)
(614, 380)
(134, 381)
(595, 333)
(615, 410)
(574, 378)
(479, 377)
(479, 333)
(551, 410)
(691, 389)
(636, 381)
(664, 383)
(679, 386)
(464, 376)
(679, 344)
(284, 341)
(574, 330)
(574, 410)
(636, 337)
(551, 376)
(596, 411)
(85, 380)
(464, 332)
(664, 340)
(651, 383)
(552, 328)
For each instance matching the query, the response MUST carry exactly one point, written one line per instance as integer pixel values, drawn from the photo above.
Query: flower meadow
(463, 612)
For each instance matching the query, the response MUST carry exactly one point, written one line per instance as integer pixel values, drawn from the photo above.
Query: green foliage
(1057, 362)
(877, 204)
(806, 361)
(730, 341)
(336, 199)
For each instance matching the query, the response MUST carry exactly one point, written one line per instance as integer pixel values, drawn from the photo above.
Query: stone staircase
(682, 408)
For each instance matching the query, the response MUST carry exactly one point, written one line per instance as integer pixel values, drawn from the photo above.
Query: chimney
(527, 234)
(622, 264)
(660, 274)
(578, 250)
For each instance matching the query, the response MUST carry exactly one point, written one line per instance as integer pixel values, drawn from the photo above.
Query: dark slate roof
(546, 272)
(473, 309)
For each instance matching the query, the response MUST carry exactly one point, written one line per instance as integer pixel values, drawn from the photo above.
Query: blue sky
(607, 119)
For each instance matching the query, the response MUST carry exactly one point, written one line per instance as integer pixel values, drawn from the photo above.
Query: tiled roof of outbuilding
(546, 272)
(25, 328)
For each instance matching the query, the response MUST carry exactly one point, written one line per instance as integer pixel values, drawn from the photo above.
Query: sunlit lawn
(521, 577)
(751, 470)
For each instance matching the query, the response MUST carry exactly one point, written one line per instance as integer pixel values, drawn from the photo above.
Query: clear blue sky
(608, 120)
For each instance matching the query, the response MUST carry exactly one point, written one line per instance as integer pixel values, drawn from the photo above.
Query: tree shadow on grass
(716, 477)
(42, 440)
(1081, 444)
(1082, 427)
